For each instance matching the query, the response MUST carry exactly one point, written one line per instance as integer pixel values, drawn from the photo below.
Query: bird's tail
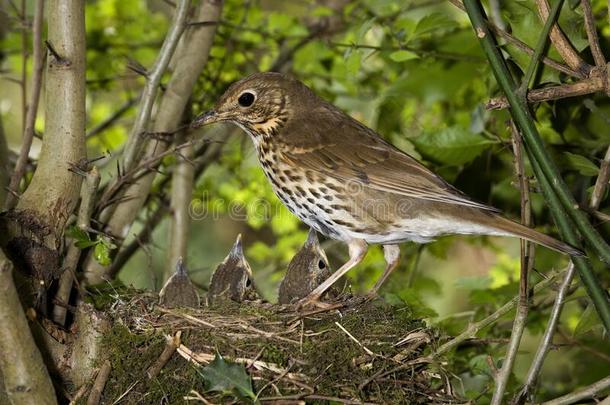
(515, 229)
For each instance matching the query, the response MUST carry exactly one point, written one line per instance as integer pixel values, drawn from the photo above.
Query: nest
(367, 352)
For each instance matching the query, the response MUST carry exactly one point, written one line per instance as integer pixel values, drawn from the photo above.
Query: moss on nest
(312, 357)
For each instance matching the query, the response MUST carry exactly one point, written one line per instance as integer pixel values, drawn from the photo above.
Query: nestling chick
(178, 290)
(232, 279)
(307, 270)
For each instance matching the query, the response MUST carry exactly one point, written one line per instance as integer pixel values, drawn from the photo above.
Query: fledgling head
(232, 279)
(307, 270)
(178, 290)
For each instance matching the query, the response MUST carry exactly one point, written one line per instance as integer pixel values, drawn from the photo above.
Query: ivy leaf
(453, 146)
(403, 55)
(228, 378)
(581, 164)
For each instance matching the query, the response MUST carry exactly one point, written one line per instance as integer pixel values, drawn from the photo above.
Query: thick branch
(32, 108)
(140, 126)
(585, 393)
(182, 189)
(596, 50)
(593, 84)
(190, 61)
(26, 378)
(562, 44)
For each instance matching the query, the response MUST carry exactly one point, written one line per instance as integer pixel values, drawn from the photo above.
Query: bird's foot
(371, 296)
(313, 302)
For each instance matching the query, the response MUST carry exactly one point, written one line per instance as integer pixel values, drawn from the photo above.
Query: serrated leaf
(227, 378)
(101, 253)
(403, 55)
(581, 164)
(78, 234)
(433, 22)
(453, 145)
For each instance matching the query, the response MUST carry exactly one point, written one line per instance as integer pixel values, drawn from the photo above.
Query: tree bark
(25, 377)
(33, 230)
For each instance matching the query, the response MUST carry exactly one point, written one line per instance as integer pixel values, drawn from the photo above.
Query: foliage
(412, 70)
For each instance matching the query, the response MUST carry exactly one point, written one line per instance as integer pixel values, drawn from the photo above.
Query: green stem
(561, 202)
(540, 47)
(585, 271)
(534, 143)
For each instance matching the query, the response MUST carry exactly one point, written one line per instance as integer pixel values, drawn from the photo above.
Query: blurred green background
(412, 70)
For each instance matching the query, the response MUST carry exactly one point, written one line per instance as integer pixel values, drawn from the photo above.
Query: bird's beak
(204, 119)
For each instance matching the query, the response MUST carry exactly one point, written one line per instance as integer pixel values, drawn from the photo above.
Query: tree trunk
(32, 232)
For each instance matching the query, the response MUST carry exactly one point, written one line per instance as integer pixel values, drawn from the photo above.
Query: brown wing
(338, 146)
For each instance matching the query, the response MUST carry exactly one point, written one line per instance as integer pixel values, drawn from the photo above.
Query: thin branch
(547, 339)
(172, 343)
(147, 100)
(588, 392)
(593, 84)
(474, 328)
(26, 379)
(562, 44)
(95, 396)
(523, 46)
(83, 222)
(527, 263)
(541, 45)
(31, 110)
(601, 184)
(596, 50)
(115, 116)
(140, 240)
(526, 49)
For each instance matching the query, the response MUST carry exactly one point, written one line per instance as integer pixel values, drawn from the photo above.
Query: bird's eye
(321, 264)
(246, 99)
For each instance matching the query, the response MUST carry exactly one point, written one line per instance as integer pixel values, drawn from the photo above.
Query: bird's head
(260, 103)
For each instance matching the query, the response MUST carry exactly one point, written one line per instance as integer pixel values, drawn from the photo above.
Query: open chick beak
(204, 119)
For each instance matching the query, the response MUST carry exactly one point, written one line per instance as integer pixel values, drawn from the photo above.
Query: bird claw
(313, 302)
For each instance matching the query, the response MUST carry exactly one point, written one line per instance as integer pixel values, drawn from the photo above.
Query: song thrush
(306, 271)
(342, 179)
(232, 279)
(178, 290)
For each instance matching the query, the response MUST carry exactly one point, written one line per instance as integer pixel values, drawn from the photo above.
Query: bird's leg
(391, 253)
(357, 251)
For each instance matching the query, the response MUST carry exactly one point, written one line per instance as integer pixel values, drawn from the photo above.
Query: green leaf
(84, 244)
(454, 145)
(228, 378)
(403, 55)
(101, 253)
(588, 321)
(581, 164)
